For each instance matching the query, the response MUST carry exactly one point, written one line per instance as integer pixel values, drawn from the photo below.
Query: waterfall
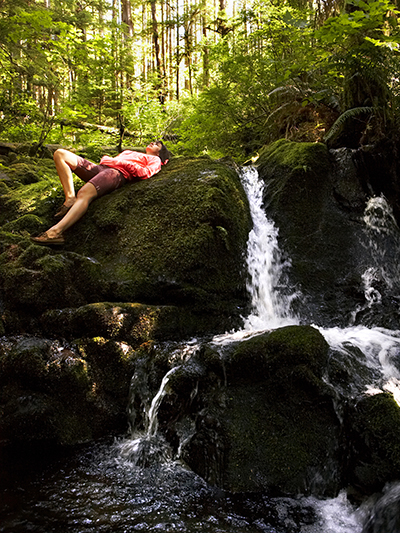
(144, 448)
(380, 346)
(152, 420)
(383, 241)
(266, 268)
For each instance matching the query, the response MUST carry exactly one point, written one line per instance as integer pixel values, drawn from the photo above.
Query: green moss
(269, 446)
(26, 223)
(289, 346)
(109, 367)
(4, 187)
(375, 436)
(38, 278)
(10, 245)
(171, 234)
(297, 173)
(50, 393)
(295, 155)
(277, 435)
(22, 173)
(25, 363)
(176, 239)
(300, 345)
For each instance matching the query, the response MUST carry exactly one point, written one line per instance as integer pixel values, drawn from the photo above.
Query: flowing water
(136, 484)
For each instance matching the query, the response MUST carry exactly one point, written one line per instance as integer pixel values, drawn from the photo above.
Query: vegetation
(220, 77)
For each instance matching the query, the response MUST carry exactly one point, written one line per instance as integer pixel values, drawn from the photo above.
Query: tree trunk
(159, 84)
(127, 17)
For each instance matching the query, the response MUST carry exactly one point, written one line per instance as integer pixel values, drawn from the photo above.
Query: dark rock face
(61, 394)
(374, 424)
(318, 199)
(274, 417)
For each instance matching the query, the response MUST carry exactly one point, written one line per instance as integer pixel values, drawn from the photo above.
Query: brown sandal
(44, 239)
(63, 210)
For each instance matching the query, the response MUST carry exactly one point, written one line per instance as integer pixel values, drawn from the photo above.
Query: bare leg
(85, 196)
(66, 162)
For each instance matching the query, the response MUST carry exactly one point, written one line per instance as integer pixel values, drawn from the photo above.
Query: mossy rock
(22, 173)
(43, 393)
(178, 239)
(30, 224)
(374, 430)
(262, 417)
(40, 197)
(262, 355)
(66, 394)
(34, 279)
(299, 184)
(131, 323)
(318, 206)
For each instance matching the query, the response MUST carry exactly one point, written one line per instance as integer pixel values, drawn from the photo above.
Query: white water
(336, 515)
(266, 269)
(141, 444)
(152, 420)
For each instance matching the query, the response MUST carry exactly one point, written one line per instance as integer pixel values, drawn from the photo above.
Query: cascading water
(380, 346)
(266, 268)
(143, 448)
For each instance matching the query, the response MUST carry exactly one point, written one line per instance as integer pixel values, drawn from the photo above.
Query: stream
(134, 483)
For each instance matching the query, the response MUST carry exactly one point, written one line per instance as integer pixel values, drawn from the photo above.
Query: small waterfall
(383, 241)
(143, 449)
(379, 346)
(266, 269)
(152, 420)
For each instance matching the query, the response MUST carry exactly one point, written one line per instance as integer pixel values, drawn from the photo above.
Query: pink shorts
(104, 178)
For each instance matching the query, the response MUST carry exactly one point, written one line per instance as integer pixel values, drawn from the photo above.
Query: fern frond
(285, 90)
(350, 113)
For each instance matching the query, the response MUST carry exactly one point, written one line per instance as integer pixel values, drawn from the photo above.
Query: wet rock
(384, 512)
(61, 393)
(374, 430)
(260, 417)
(131, 323)
(318, 204)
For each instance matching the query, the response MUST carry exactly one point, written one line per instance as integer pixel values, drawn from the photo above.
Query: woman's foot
(47, 240)
(63, 210)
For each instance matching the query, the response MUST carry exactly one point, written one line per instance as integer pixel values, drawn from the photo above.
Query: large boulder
(320, 205)
(177, 239)
(374, 428)
(255, 416)
(278, 412)
(160, 259)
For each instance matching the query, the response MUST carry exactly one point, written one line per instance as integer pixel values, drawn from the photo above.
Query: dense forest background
(220, 77)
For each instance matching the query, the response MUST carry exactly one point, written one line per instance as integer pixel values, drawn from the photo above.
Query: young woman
(110, 174)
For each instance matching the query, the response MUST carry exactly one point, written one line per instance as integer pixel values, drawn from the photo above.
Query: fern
(340, 122)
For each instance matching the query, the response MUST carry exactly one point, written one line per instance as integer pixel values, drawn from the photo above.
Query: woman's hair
(164, 154)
